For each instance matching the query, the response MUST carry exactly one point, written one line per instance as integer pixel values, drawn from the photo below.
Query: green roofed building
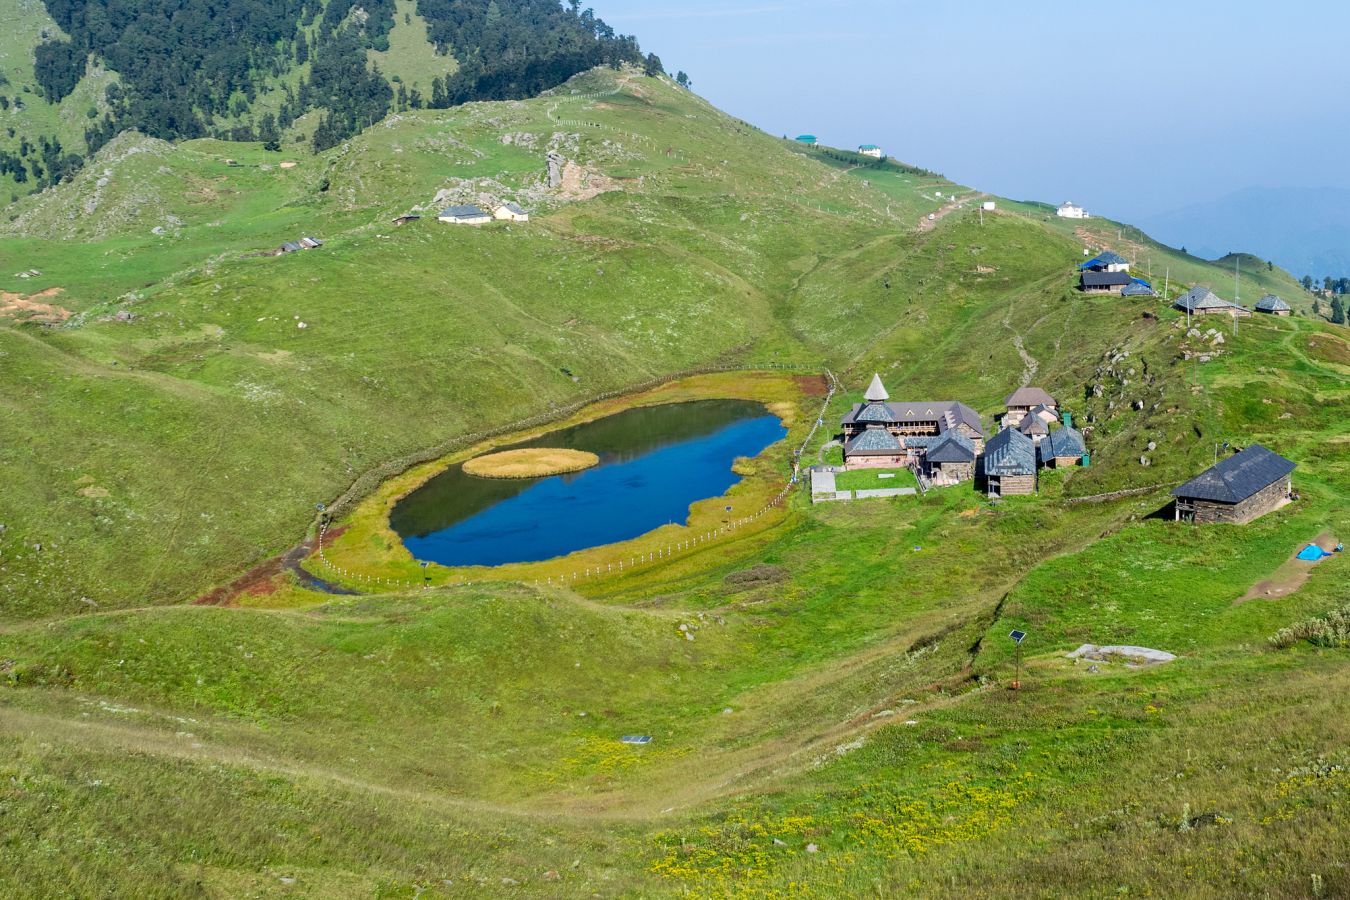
(870, 150)
(807, 139)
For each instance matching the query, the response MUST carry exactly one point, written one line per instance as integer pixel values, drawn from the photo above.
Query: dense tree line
(189, 65)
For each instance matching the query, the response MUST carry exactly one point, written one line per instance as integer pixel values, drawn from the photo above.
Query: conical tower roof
(876, 391)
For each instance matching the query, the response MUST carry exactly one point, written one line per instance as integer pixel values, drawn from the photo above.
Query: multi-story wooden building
(885, 432)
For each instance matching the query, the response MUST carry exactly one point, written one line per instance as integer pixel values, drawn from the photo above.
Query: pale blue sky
(1130, 109)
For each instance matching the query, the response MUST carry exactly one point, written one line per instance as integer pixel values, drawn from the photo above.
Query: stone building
(950, 459)
(1273, 305)
(1236, 490)
(1062, 447)
(1009, 464)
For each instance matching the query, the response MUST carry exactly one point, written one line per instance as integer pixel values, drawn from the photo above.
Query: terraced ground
(826, 691)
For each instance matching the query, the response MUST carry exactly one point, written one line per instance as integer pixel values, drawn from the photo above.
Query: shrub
(1330, 630)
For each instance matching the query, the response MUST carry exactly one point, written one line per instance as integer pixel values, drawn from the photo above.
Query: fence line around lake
(388, 470)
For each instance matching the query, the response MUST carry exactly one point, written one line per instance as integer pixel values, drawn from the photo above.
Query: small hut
(1236, 490)
(1009, 464)
(1272, 305)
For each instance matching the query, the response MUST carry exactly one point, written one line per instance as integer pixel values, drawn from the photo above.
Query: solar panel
(1017, 636)
(637, 738)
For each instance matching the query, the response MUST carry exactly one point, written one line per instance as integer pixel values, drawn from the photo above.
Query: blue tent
(1312, 553)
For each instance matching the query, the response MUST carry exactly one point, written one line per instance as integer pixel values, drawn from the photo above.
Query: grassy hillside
(839, 724)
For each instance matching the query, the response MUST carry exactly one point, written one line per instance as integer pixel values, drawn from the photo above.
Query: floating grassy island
(530, 462)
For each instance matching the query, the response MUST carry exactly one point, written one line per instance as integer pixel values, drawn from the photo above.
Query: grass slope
(844, 687)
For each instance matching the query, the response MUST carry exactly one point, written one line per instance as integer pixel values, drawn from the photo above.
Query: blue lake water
(654, 463)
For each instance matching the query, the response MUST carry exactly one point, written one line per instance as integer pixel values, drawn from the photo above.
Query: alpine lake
(655, 461)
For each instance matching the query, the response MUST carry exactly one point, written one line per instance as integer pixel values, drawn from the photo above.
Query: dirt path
(1291, 574)
(927, 224)
(1030, 365)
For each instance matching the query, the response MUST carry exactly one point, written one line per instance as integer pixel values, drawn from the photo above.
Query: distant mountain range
(1304, 230)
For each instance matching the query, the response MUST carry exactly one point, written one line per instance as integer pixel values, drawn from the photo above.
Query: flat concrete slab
(1118, 651)
(884, 492)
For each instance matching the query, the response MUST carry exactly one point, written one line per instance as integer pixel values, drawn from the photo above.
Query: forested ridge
(195, 68)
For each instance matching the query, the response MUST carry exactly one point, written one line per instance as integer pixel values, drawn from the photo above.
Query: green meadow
(827, 694)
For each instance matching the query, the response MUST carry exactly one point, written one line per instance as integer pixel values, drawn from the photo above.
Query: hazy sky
(1130, 109)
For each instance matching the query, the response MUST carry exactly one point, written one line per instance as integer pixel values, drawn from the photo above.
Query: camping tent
(1312, 553)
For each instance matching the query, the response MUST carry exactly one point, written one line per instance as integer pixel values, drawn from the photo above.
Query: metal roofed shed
(1105, 260)
(1236, 490)
(1094, 282)
(1137, 288)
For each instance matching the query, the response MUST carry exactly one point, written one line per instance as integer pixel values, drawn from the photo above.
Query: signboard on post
(1018, 637)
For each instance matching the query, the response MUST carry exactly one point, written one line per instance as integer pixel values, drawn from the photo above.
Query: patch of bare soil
(30, 308)
(812, 385)
(582, 183)
(1289, 577)
(256, 582)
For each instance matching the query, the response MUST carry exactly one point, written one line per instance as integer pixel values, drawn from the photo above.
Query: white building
(871, 150)
(990, 206)
(467, 214)
(1068, 211)
(511, 212)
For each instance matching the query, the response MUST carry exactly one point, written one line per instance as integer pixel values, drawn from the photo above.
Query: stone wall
(1257, 505)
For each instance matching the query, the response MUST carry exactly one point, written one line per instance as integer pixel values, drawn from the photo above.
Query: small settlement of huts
(944, 441)
(1236, 490)
(1109, 273)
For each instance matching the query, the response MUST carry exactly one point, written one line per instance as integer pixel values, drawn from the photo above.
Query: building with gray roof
(1201, 301)
(1273, 305)
(1062, 447)
(909, 420)
(464, 214)
(1009, 464)
(1236, 490)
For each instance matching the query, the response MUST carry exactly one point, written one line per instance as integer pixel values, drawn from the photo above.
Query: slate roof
(1237, 477)
(1033, 424)
(1107, 258)
(1272, 303)
(947, 413)
(514, 208)
(464, 211)
(1105, 279)
(1062, 442)
(874, 412)
(1137, 289)
(1201, 297)
(873, 440)
(876, 391)
(1045, 412)
(953, 447)
(1029, 396)
(1010, 452)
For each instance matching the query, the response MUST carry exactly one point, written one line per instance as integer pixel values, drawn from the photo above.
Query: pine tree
(1337, 311)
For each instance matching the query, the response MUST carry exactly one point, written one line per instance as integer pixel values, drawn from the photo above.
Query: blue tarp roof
(1106, 258)
(1312, 553)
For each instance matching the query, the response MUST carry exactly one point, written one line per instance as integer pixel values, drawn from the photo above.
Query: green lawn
(872, 479)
